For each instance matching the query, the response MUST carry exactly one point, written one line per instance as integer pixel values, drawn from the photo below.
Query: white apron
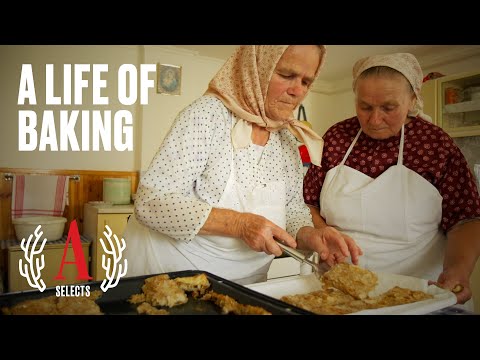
(394, 218)
(150, 252)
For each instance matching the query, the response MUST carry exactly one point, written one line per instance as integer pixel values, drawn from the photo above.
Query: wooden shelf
(466, 106)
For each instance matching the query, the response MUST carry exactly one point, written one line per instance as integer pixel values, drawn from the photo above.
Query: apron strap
(342, 164)
(400, 148)
(351, 147)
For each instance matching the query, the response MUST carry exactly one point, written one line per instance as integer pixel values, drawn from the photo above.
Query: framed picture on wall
(169, 79)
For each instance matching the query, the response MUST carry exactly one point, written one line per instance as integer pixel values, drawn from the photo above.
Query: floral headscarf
(242, 85)
(406, 64)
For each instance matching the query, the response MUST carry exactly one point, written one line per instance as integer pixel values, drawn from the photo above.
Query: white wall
(158, 116)
(471, 63)
(11, 60)
(151, 122)
(324, 110)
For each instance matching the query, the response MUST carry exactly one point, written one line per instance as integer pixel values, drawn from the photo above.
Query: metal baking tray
(114, 301)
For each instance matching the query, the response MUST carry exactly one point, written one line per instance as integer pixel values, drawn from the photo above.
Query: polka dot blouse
(428, 151)
(188, 174)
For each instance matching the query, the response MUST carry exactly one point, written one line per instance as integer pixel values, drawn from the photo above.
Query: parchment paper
(302, 284)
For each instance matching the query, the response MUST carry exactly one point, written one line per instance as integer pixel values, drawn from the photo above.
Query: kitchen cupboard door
(53, 254)
(458, 106)
(95, 220)
(117, 223)
(453, 103)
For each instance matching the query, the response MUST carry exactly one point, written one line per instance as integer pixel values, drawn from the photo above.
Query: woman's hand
(461, 254)
(332, 246)
(259, 233)
(456, 280)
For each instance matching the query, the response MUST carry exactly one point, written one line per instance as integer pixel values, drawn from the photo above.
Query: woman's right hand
(331, 245)
(330, 235)
(259, 234)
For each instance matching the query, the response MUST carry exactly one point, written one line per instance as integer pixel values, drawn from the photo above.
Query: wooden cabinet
(53, 254)
(452, 103)
(96, 217)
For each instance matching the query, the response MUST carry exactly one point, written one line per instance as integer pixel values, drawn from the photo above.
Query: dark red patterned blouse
(428, 151)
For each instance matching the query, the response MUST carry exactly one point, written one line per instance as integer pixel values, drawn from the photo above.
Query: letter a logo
(74, 237)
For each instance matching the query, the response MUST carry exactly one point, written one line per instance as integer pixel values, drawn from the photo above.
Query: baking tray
(114, 301)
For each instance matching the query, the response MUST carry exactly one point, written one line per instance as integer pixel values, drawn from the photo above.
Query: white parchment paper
(302, 284)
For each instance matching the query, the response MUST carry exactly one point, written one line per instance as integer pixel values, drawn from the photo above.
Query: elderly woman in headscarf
(396, 183)
(226, 183)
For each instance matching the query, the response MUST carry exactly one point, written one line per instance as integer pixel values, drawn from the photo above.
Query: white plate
(302, 284)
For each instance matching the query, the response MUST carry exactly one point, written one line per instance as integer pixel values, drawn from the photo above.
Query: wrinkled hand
(258, 233)
(332, 246)
(456, 280)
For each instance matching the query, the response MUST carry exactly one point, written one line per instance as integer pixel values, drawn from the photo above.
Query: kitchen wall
(327, 110)
(11, 60)
(337, 102)
(158, 116)
(152, 121)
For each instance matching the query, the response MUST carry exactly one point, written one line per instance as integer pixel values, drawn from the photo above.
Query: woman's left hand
(332, 246)
(455, 281)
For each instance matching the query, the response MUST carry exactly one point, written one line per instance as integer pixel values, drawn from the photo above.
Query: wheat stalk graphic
(114, 270)
(32, 270)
